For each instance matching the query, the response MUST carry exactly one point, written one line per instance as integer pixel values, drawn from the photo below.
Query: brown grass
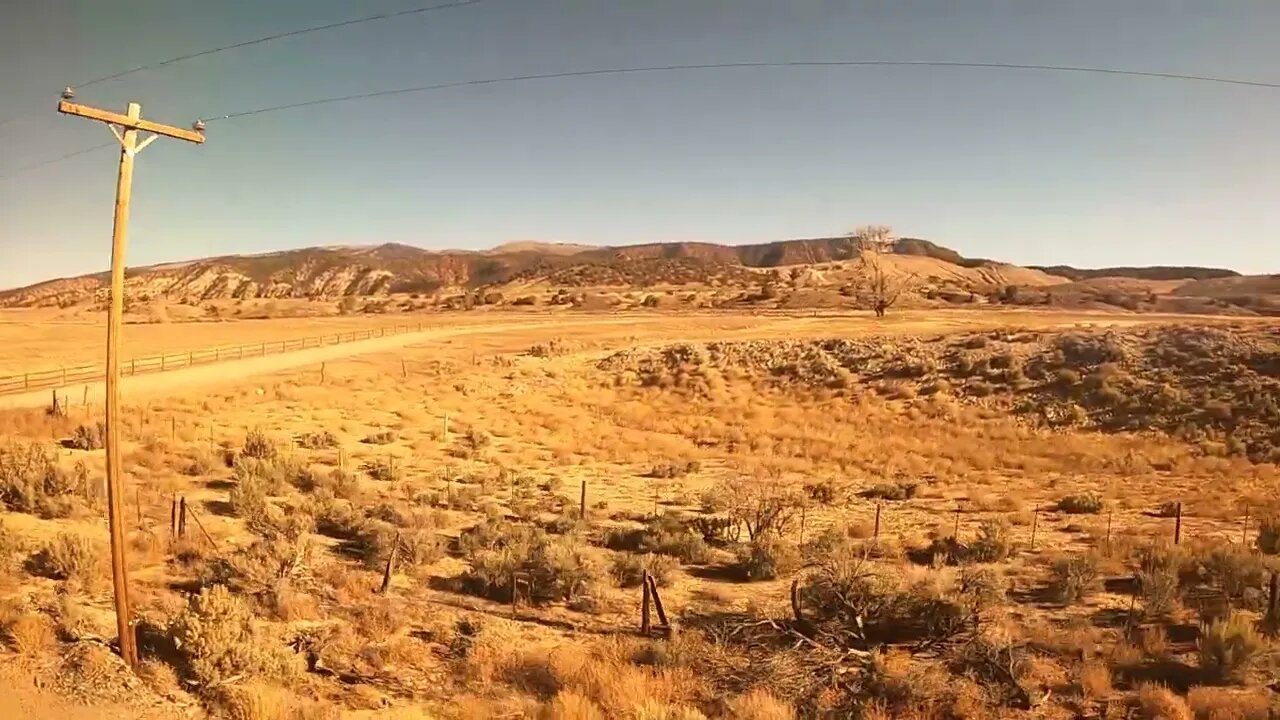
(689, 456)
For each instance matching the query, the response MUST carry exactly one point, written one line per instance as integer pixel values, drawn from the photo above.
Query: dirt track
(186, 378)
(158, 384)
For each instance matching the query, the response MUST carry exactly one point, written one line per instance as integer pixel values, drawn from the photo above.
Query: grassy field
(742, 461)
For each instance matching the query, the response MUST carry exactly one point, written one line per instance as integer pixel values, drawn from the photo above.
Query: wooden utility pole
(125, 128)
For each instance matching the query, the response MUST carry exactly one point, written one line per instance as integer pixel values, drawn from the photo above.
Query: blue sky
(1020, 166)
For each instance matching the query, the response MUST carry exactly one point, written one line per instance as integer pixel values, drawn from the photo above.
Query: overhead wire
(33, 166)
(512, 79)
(757, 65)
(265, 39)
(278, 36)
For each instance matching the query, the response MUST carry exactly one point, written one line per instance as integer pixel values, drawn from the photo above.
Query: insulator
(68, 93)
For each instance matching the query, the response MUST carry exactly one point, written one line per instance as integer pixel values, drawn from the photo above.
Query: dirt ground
(492, 415)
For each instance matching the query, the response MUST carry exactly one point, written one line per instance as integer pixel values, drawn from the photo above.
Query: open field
(742, 460)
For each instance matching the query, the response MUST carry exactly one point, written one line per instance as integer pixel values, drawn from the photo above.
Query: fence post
(1273, 599)
(582, 501)
(876, 532)
(391, 567)
(644, 603)
(191, 358)
(657, 600)
(1035, 520)
(182, 516)
(1244, 532)
(161, 362)
(133, 366)
(1177, 524)
(64, 374)
(26, 381)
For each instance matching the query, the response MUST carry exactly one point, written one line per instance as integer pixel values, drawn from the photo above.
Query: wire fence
(81, 374)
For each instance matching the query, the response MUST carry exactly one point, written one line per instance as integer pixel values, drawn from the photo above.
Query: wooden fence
(82, 374)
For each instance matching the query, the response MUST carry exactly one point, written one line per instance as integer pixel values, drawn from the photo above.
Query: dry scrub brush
(218, 641)
(32, 482)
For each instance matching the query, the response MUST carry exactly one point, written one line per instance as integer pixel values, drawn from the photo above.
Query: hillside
(336, 272)
(802, 273)
(1153, 272)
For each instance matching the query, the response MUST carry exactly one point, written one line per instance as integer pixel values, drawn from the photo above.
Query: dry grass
(1217, 703)
(703, 465)
(1157, 702)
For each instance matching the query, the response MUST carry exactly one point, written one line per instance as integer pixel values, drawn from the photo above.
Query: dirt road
(159, 384)
(156, 384)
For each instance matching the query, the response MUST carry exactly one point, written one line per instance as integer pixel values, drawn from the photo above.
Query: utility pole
(125, 128)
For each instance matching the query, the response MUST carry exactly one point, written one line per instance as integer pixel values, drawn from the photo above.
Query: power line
(265, 39)
(723, 66)
(60, 158)
(701, 66)
(278, 36)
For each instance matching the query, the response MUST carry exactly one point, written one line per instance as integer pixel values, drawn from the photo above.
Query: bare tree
(878, 284)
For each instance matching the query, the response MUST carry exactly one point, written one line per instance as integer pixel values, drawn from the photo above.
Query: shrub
(859, 605)
(72, 558)
(1157, 702)
(1216, 703)
(672, 470)
(383, 469)
(759, 705)
(275, 474)
(215, 636)
(767, 558)
(665, 534)
(248, 500)
(1268, 541)
(1230, 647)
(1157, 576)
(200, 463)
(981, 588)
(26, 633)
(891, 491)
(1083, 504)
(372, 540)
(318, 440)
(32, 482)
(628, 569)
(1067, 377)
(1074, 577)
(556, 567)
(258, 445)
(994, 542)
(763, 508)
(380, 438)
(1094, 680)
(1240, 574)
(89, 437)
(822, 492)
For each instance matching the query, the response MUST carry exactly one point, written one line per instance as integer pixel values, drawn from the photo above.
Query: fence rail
(82, 374)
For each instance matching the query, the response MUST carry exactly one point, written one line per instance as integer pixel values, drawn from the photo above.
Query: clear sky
(1019, 166)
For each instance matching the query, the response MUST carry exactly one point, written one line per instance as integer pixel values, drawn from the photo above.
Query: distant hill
(1154, 272)
(811, 272)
